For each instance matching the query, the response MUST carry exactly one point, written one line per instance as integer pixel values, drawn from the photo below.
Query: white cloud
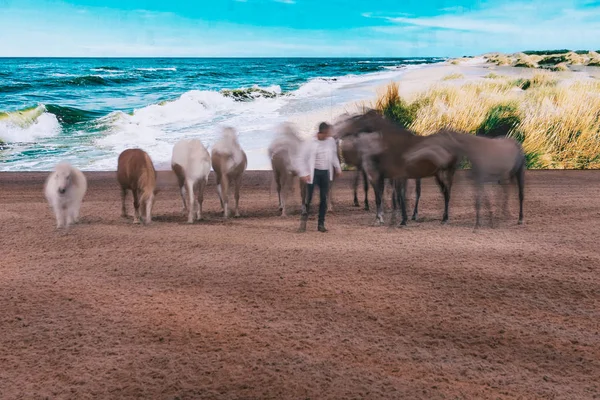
(514, 25)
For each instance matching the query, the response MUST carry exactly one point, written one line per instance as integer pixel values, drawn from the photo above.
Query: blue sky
(292, 28)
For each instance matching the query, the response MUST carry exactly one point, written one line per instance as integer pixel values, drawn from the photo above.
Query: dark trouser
(321, 179)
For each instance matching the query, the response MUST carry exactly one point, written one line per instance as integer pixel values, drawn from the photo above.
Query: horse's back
(135, 169)
(191, 156)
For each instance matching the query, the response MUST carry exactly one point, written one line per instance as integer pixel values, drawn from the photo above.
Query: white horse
(229, 162)
(191, 163)
(283, 152)
(64, 190)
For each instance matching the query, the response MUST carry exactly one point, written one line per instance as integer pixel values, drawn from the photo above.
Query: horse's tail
(147, 179)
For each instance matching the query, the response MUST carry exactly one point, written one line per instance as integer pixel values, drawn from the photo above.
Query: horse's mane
(374, 121)
(147, 178)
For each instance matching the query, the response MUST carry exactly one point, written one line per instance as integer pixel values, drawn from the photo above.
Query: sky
(293, 28)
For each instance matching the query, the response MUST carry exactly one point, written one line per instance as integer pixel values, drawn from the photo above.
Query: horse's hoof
(520, 222)
(366, 208)
(136, 221)
(190, 221)
(356, 204)
(237, 215)
(124, 216)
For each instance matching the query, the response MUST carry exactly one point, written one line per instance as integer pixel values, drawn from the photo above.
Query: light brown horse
(229, 162)
(499, 159)
(136, 172)
(382, 144)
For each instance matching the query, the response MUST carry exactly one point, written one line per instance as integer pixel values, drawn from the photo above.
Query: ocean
(86, 111)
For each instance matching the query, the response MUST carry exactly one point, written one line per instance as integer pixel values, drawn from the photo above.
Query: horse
(381, 144)
(229, 162)
(191, 163)
(65, 188)
(497, 159)
(136, 172)
(351, 157)
(283, 152)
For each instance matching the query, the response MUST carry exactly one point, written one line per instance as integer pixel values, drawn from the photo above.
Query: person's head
(324, 131)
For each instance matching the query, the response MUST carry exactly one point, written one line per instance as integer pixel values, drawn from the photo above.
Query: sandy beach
(250, 309)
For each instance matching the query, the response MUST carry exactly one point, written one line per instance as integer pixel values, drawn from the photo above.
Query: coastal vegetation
(558, 122)
(554, 60)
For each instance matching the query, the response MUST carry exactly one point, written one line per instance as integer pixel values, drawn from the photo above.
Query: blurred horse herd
(380, 150)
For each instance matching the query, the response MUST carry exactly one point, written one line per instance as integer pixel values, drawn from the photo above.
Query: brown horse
(382, 144)
(136, 172)
(351, 157)
(229, 162)
(497, 159)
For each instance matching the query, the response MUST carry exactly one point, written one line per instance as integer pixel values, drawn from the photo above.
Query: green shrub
(501, 120)
(553, 60)
(545, 52)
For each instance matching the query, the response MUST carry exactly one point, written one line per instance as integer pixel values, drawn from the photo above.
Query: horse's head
(355, 125)
(229, 134)
(64, 177)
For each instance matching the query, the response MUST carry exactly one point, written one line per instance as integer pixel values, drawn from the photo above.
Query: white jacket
(305, 161)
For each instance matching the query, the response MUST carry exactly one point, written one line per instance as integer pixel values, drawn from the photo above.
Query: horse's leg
(201, 187)
(307, 199)
(445, 189)
(123, 198)
(378, 187)
(220, 190)
(521, 183)
(189, 187)
(488, 205)
(238, 184)
(136, 206)
(505, 190)
(182, 192)
(418, 193)
(355, 187)
(402, 199)
(394, 183)
(58, 213)
(366, 188)
(224, 191)
(287, 181)
(278, 183)
(449, 179)
(148, 209)
(71, 214)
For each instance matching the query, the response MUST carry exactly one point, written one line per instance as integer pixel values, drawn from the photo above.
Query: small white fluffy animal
(64, 189)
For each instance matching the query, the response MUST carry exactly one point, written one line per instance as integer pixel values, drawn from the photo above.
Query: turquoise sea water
(87, 111)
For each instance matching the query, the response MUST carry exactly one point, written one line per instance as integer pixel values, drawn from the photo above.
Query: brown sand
(250, 309)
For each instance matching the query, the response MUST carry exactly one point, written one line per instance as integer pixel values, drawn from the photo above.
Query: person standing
(317, 165)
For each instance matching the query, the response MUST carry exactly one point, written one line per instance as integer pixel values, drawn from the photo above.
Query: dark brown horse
(382, 144)
(351, 157)
(498, 159)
